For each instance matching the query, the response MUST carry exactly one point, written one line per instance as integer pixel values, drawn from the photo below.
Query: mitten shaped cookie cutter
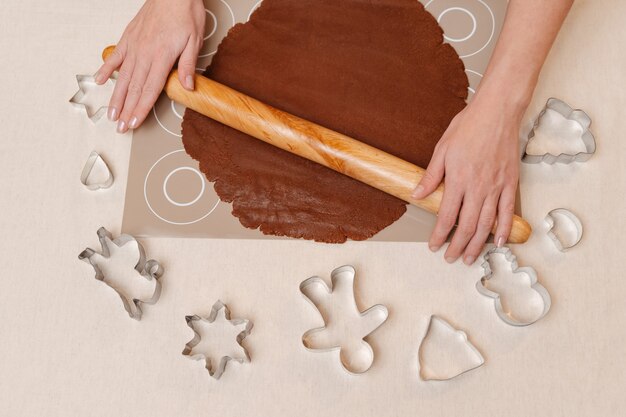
(505, 316)
(355, 354)
(219, 311)
(561, 242)
(568, 113)
(149, 270)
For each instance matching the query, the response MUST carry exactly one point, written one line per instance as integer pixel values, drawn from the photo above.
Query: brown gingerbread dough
(375, 70)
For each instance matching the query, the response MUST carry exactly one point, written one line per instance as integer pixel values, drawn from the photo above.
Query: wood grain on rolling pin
(311, 141)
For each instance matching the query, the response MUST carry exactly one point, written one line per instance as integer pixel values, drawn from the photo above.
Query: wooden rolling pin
(311, 141)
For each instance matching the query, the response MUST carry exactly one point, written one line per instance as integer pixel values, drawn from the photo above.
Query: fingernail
(433, 248)
(112, 114)
(98, 77)
(500, 242)
(189, 82)
(121, 126)
(469, 260)
(133, 122)
(450, 259)
(418, 191)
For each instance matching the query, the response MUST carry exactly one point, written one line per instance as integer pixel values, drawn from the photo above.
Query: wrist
(508, 98)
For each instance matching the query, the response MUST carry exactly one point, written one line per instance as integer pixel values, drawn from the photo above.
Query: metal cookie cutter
(96, 174)
(564, 111)
(506, 316)
(446, 352)
(147, 272)
(94, 113)
(345, 326)
(564, 241)
(219, 316)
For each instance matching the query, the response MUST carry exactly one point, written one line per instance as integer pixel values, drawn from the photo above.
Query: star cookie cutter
(452, 347)
(94, 163)
(94, 113)
(505, 316)
(219, 313)
(561, 241)
(149, 270)
(567, 113)
(347, 335)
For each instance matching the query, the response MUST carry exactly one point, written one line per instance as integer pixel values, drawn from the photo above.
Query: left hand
(478, 156)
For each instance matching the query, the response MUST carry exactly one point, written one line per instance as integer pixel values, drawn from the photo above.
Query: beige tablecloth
(68, 348)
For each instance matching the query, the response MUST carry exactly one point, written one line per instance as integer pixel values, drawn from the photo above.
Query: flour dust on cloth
(375, 70)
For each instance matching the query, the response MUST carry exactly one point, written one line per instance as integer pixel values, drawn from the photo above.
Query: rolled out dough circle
(375, 70)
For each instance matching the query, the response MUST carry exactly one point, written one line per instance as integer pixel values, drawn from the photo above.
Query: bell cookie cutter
(506, 317)
(560, 241)
(219, 312)
(96, 162)
(356, 355)
(77, 99)
(570, 114)
(150, 270)
(427, 373)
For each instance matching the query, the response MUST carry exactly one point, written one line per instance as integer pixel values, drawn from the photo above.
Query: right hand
(162, 32)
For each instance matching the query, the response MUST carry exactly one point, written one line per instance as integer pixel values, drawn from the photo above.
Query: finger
(506, 209)
(187, 62)
(468, 220)
(151, 92)
(113, 62)
(432, 176)
(121, 87)
(446, 217)
(485, 224)
(135, 90)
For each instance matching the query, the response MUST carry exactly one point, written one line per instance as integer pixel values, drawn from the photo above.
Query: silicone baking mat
(167, 195)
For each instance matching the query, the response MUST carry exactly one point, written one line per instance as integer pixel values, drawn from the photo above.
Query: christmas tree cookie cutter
(446, 352)
(345, 325)
(552, 116)
(146, 274)
(220, 315)
(508, 316)
(564, 228)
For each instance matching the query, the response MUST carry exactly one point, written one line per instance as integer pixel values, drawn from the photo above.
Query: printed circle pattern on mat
(256, 6)
(474, 78)
(169, 115)
(176, 192)
(220, 18)
(469, 25)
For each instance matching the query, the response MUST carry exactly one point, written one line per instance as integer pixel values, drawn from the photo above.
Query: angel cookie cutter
(148, 273)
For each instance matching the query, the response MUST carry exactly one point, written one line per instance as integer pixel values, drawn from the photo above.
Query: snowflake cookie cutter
(439, 372)
(149, 270)
(505, 316)
(94, 163)
(355, 354)
(568, 113)
(93, 113)
(220, 312)
(564, 243)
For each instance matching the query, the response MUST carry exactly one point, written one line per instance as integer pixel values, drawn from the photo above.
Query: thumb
(187, 64)
(432, 176)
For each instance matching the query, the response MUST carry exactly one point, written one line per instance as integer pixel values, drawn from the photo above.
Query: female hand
(478, 156)
(162, 31)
